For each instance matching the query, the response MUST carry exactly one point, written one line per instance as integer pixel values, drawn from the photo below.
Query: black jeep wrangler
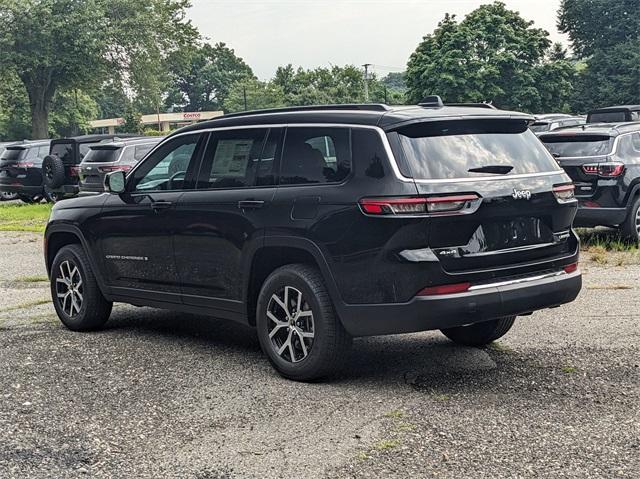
(60, 169)
(318, 224)
(603, 160)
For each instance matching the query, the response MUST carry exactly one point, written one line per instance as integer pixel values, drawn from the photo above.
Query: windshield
(471, 148)
(102, 155)
(574, 146)
(13, 154)
(538, 127)
(607, 117)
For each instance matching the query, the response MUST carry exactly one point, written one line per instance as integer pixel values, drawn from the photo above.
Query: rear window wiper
(494, 169)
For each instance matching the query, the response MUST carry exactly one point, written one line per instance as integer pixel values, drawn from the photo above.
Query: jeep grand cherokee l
(21, 170)
(318, 224)
(603, 160)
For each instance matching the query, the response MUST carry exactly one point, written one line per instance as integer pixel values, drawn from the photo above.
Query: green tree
(605, 36)
(252, 94)
(58, 45)
(132, 122)
(320, 85)
(493, 54)
(202, 76)
(71, 112)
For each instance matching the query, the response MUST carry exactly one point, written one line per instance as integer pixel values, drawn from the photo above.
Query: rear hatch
(580, 155)
(12, 165)
(509, 214)
(100, 160)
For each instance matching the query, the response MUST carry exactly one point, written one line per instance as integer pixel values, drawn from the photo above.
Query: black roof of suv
(614, 114)
(320, 223)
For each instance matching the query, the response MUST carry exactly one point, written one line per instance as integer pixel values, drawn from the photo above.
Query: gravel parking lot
(161, 394)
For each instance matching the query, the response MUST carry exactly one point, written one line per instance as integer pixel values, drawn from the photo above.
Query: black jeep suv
(603, 160)
(61, 167)
(21, 170)
(318, 224)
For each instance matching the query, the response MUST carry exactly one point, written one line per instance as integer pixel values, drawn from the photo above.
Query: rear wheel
(631, 227)
(6, 196)
(75, 293)
(480, 334)
(297, 327)
(29, 199)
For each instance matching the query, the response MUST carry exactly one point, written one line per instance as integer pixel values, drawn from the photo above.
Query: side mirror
(115, 182)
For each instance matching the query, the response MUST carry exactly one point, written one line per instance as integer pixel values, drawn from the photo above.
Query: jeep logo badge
(521, 194)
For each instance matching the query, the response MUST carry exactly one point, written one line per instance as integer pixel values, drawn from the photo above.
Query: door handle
(161, 205)
(250, 204)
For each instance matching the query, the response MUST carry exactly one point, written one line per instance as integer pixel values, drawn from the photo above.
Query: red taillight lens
(607, 170)
(24, 164)
(109, 169)
(570, 268)
(74, 171)
(415, 206)
(445, 289)
(564, 193)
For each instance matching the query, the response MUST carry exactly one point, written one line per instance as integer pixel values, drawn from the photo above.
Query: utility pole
(366, 82)
(244, 95)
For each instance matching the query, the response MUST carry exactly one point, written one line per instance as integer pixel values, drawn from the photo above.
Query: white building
(162, 121)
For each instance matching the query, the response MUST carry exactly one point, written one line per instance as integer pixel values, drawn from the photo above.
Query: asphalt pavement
(160, 394)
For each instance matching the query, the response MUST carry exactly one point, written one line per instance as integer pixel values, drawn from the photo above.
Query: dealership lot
(162, 394)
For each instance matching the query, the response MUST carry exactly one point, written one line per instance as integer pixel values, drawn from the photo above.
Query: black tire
(93, 310)
(53, 173)
(52, 196)
(630, 229)
(326, 350)
(28, 199)
(480, 334)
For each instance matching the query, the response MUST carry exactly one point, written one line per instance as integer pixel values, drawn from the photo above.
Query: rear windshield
(608, 117)
(471, 148)
(579, 145)
(538, 127)
(64, 151)
(102, 155)
(12, 154)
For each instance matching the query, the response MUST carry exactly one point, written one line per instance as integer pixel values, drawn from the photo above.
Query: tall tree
(77, 44)
(493, 54)
(605, 35)
(203, 75)
(252, 94)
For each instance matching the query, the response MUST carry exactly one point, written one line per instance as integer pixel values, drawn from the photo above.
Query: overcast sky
(311, 33)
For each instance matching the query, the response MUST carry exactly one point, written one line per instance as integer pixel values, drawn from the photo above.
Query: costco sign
(191, 115)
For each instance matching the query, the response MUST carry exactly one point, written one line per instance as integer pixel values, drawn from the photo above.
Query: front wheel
(75, 293)
(297, 326)
(480, 334)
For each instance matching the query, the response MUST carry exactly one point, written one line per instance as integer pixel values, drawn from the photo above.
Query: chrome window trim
(385, 142)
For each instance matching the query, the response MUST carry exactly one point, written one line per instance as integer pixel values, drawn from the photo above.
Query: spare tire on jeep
(53, 172)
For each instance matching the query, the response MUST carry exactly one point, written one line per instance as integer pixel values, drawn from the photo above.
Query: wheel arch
(277, 252)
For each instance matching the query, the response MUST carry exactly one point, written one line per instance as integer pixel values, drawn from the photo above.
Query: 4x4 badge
(521, 194)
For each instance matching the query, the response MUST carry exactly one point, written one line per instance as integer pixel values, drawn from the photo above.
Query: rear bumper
(446, 311)
(21, 189)
(588, 217)
(66, 189)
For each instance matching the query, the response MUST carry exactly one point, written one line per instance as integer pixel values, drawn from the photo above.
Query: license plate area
(514, 233)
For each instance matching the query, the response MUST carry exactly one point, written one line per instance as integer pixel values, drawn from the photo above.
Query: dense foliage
(65, 62)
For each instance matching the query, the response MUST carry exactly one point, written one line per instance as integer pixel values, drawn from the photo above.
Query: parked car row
(53, 170)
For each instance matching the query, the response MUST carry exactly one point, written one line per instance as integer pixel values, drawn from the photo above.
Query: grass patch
(22, 217)
(362, 456)
(569, 370)
(603, 240)
(386, 444)
(613, 286)
(28, 304)
(396, 414)
(33, 279)
(499, 347)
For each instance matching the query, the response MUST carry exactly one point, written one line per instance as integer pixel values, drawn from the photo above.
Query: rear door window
(316, 155)
(562, 146)
(64, 151)
(471, 148)
(607, 117)
(629, 147)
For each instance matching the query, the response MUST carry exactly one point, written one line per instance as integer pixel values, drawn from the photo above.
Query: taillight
(570, 268)
(24, 164)
(74, 171)
(607, 169)
(564, 193)
(109, 169)
(445, 289)
(415, 206)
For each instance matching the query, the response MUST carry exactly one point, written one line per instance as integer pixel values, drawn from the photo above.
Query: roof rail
(291, 109)
(473, 105)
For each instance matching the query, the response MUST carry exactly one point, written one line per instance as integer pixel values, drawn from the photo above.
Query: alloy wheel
(638, 224)
(290, 326)
(69, 288)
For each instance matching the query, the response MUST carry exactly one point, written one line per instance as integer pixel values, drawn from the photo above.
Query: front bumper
(589, 217)
(487, 302)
